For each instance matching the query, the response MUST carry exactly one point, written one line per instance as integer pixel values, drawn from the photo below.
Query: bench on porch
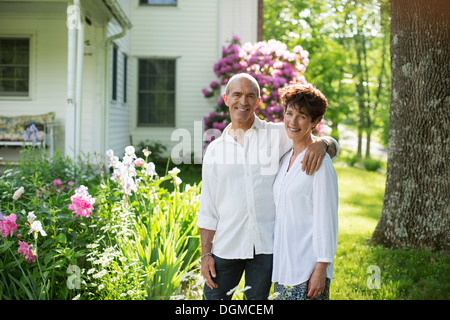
(12, 131)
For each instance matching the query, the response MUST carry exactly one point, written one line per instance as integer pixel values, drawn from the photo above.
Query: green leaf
(61, 238)
(48, 257)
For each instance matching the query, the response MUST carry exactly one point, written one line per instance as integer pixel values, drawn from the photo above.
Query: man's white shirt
(237, 198)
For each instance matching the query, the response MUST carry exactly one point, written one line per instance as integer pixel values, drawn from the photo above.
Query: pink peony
(139, 162)
(26, 250)
(8, 225)
(82, 202)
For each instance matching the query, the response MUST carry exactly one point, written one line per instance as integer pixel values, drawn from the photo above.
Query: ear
(316, 123)
(225, 98)
(258, 102)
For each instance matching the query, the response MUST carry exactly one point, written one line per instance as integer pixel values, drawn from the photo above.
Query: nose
(243, 100)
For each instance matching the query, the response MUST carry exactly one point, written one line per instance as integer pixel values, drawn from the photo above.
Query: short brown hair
(308, 96)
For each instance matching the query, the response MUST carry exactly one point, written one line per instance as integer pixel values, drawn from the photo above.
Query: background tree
(347, 40)
(416, 208)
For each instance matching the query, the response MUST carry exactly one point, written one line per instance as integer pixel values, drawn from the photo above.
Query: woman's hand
(316, 283)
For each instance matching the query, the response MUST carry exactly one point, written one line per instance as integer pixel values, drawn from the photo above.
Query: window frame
(138, 92)
(30, 37)
(114, 73)
(145, 3)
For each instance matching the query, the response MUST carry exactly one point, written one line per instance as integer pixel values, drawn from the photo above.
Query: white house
(115, 72)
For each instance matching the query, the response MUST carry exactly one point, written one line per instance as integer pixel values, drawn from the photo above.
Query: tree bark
(416, 208)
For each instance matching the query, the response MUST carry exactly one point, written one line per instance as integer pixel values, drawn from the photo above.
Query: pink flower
(82, 202)
(26, 250)
(139, 162)
(18, 193)
(71, 183)
(8, 225)
(57, 182)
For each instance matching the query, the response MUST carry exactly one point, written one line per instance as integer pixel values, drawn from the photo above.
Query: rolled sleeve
(325, 228)
(207, 215)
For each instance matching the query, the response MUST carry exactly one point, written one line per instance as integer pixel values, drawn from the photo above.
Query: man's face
(242, 100)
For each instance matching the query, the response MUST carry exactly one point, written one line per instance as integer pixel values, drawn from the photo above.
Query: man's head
(242, 97)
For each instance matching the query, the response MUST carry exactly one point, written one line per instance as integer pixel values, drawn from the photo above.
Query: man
(237, 211)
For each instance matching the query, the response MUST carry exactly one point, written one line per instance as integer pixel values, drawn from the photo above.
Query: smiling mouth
(242, 109)
(293, 130)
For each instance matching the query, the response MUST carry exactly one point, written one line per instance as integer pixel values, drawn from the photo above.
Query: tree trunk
(416, 208)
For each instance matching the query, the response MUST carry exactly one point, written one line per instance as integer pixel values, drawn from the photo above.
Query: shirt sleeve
(207, 215)
(325, 211)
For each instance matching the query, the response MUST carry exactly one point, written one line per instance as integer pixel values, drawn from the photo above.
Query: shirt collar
(257, 124)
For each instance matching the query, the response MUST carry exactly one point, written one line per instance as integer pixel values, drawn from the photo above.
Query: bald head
(243, 76)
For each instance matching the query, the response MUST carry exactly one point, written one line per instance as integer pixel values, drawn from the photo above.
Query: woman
(306, 224)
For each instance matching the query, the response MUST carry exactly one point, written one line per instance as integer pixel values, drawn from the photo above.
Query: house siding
(188, 33)
(118, 111)
(193, 33)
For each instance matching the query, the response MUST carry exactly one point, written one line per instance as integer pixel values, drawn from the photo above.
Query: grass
(366, 272)
(403, 274)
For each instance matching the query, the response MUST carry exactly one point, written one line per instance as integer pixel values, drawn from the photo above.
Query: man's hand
(313, 157)
(208, 268)
(208, 271)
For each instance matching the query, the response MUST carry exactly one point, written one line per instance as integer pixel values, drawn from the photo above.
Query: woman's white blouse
(306, 224)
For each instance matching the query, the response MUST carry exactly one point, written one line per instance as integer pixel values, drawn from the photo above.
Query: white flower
(149, 169)
(92, 245)
(130, 151)
(243, 289)
(18, 193)
(100, 274)
(229, 293)
(110, 153)
(101, 286)
(82, 190)
(273, 296)
(174, 171)
(177, 181)
(90, 271)
(31, 216)
(146, 152)
(77, 297)
(178, 297)
(36, 227)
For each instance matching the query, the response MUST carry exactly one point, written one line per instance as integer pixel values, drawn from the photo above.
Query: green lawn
(366, 272)
(403, 274)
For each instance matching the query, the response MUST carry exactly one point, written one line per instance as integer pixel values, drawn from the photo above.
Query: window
(156, 92)
(159, 2)
(114, 74)
(14, 67)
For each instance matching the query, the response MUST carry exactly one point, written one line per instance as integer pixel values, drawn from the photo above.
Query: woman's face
(298, 123)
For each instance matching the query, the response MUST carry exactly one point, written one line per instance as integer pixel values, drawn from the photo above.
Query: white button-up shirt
(237, 197)
(306, 226)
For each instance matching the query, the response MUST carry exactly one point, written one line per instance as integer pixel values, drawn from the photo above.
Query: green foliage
(404, 274)
(137, 245)
(348, 43)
